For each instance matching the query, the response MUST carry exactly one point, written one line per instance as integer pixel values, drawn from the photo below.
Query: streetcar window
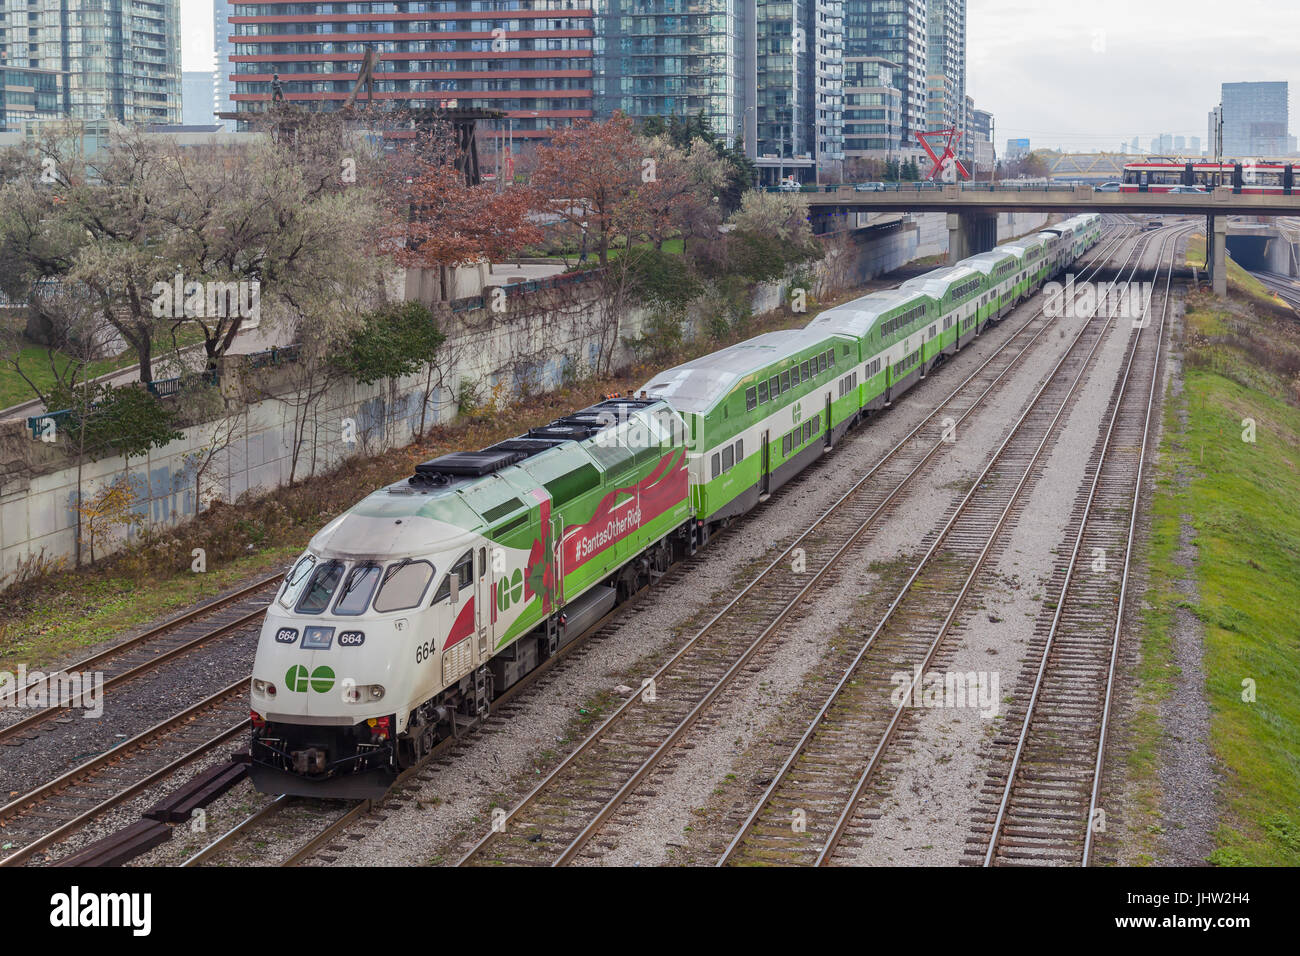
(295, 579)
(320, 588)
(717, 465)
(354, 596)
(403, 585)
(785, 381)
(751, 399)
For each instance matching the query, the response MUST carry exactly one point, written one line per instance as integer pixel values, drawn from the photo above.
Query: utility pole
(993, 140)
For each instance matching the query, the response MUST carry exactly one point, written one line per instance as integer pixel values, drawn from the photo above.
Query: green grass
(35, 362)
(32, 359)
(109, 605)
(1240, 498)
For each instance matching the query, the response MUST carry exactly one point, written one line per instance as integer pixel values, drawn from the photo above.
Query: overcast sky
(1082, 74)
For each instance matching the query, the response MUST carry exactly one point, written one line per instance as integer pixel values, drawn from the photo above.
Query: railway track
(812, 801)
(1045, 810)
(556, 822)
(54, 811)
(1284, 287)
(136, 656)
(324, 822)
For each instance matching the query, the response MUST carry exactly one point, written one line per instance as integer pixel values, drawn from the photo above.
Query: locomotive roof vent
(465, 464)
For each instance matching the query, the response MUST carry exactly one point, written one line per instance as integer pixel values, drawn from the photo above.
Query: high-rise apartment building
(946, 65)
(531, 59)
(27, 94)
(768, 72)
(224, 49)
(895, 30)
(198, 96)
(1256, 120)
(673, 58)
(120, 59)
(873, 107)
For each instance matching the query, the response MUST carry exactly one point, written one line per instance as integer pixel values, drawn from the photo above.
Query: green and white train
(412, 610)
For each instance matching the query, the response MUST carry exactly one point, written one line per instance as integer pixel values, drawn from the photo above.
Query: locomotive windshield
(355, 596)
(295, 579)
(320, 588)
(404, 585)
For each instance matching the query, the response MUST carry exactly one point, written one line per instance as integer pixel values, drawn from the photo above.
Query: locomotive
(410, 612)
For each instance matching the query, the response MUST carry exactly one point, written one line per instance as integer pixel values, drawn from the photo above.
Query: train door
(557, 557)
(765, 465)
(1288, 179)
(484, 607)
(830, 432)
(1237, 178)
(1189, 177)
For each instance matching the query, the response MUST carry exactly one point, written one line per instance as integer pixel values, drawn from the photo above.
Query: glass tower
(897, 31)
(120, 58)
(1256, 120)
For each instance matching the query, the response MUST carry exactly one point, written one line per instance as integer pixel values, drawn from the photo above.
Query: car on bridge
(1108, 188)
(870, 187)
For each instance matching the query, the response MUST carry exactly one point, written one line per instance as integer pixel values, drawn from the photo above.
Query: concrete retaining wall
(533, 347)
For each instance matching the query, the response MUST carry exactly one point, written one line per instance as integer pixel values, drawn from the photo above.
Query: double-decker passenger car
(409, 612)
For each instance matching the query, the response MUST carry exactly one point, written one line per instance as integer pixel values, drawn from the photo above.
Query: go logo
(320, 680)
(512, 593)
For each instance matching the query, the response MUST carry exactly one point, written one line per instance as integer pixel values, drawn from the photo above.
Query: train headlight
(363, 693)
(263, 688)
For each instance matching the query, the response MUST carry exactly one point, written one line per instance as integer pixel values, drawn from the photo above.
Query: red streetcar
(1249, 176)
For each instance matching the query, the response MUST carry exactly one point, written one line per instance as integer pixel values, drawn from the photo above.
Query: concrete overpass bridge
(972, 209)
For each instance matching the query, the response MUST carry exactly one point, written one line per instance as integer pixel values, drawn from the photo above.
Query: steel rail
(1069, 576)
(817, 721)
(790, 607)
(86, 663)
(16, 807)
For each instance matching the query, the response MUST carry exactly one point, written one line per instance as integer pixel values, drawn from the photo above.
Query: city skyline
(1026, 58)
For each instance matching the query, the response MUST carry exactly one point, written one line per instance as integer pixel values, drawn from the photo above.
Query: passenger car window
(717, 465)
(774, 386)
(728, 458)
(762, 392)
(803, 371)
(403, 586)
(354, 596)
(785, 381)
(320, 588)
(751, 399)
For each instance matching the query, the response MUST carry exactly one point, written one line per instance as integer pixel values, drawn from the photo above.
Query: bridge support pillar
(970, 233)
(1219, 267)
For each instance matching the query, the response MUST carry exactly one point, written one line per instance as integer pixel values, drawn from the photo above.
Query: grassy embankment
(1239, 500)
